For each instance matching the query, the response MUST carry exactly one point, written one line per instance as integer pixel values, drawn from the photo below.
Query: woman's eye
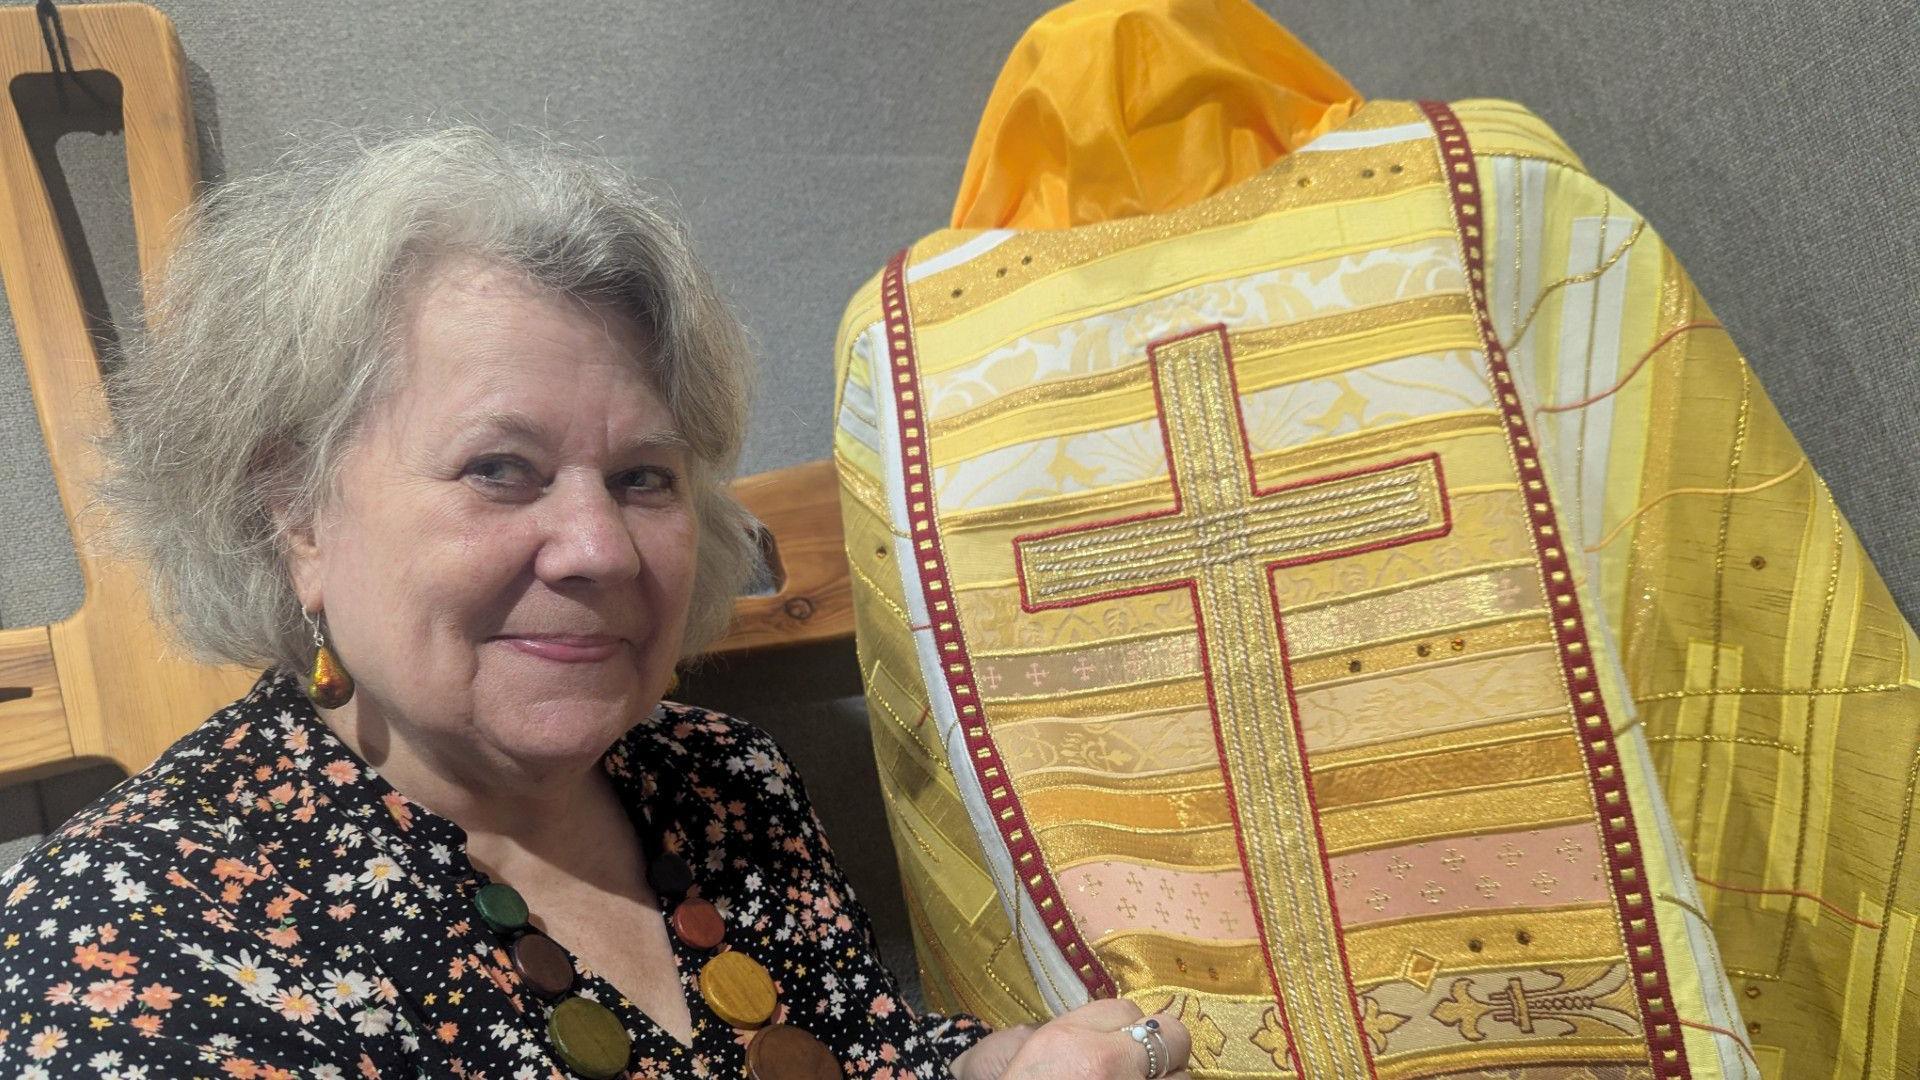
(500, 472)
(647, 480)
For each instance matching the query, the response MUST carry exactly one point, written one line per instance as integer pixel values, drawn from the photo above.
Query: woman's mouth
(563, 648)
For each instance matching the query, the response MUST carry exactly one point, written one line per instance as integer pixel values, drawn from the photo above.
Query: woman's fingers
(1095, 1040)
(1164, 1051)
(1106, 1014)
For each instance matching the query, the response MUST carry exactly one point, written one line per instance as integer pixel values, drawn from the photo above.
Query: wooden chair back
(101, 684)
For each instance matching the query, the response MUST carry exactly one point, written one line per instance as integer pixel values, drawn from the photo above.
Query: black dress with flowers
(260, 904)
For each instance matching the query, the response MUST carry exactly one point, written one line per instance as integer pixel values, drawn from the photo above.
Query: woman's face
(509, 555)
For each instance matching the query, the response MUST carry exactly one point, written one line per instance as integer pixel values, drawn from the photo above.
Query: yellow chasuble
(1361, 601)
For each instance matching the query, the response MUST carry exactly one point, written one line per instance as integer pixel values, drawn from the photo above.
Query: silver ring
(1147, 1034)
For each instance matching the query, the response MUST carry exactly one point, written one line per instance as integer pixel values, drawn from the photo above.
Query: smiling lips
(564, 648)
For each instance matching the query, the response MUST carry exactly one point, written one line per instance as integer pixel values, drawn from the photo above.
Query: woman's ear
(297, 537)
(295, 528)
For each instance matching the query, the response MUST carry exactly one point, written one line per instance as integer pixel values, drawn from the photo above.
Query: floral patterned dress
(261, 904)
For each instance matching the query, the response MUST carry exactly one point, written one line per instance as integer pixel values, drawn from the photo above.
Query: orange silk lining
(1111, 108)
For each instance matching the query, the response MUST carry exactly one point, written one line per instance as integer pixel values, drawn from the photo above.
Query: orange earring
(329, 686)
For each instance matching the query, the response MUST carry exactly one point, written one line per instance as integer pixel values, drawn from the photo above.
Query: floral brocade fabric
(260, 903)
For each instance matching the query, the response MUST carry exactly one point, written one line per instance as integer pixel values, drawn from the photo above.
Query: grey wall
(1771, 141)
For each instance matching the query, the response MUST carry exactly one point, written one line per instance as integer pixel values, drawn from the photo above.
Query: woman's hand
(1089, 1043)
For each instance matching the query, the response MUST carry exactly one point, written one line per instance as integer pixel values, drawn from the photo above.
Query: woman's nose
(587, 536)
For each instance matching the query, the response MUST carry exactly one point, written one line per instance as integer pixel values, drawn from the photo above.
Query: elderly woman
(436, 429)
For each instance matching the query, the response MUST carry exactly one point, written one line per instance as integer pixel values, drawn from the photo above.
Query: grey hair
(273, 332)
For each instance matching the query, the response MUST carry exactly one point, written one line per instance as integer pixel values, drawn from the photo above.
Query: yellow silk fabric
(1109, 108)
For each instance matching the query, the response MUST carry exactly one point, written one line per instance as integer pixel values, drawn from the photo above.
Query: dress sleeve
(1758, 649)
(855, 990)
(115, 963)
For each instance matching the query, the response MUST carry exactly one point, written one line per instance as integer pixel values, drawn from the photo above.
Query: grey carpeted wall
(1771, 141)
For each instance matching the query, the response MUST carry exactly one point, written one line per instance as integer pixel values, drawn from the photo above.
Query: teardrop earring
(329, 686)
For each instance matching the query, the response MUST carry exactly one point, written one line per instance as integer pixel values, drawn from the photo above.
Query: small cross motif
(1377, 899)
(1036, 674)
(1432, 891)
(1511, 855)
(1193, 920)
(1229, 922)
(1453, 860)
(1092, 886)
(1084, 668)
(1125, 907)
(1345, 876)
(1398, 867)
(990, 676)
(1167, 890)
(1133, 879)
(1486, 886)
(1165, 915)
(1546, 883)
(1570, 849)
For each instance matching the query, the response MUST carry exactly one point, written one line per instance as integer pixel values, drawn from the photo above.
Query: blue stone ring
(1147, 1034)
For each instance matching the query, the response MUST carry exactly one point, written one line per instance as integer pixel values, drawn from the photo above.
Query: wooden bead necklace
(592, 1042)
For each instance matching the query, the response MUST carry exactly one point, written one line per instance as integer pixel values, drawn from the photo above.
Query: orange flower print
(156, 996)
(108, 995)
(119, 964)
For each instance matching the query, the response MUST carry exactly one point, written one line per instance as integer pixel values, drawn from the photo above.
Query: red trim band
(955, 665)
(1633, 899)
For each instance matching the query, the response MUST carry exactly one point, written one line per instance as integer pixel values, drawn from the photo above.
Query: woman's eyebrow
(520, 425)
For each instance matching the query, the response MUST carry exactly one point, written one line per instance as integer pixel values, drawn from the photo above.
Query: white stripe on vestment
(1355, 140)
(1058, 983)
(1587, 362)
(1722, 1010)
(966, 252)
(856, 399)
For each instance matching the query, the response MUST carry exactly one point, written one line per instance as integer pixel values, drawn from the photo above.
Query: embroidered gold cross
(1221, 541)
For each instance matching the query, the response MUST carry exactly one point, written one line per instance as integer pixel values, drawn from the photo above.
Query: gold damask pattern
(1335, 812)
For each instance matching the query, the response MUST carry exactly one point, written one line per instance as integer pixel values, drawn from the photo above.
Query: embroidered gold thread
(1597, 272)
(1806, 737)
(1734, 456)
(1586, 374)
(873, 677)
(874, 590)
(1614, 533)
(1886, 905)
(1771, 691)
(893, 802)
(1741, 740)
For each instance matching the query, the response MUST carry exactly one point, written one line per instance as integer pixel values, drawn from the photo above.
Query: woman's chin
(539, 714)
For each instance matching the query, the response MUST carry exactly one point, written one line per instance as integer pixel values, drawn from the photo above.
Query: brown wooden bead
(669, 876)
(699, 924)
(543, 965)
(784, 1052)
(738, 989)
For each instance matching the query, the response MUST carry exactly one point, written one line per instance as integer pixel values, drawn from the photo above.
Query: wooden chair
(104, 685)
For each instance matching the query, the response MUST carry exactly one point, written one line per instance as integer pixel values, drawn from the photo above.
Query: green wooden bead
(589, 1039)
(501, 906)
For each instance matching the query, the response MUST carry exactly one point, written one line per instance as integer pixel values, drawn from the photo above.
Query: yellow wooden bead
(738, 989)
